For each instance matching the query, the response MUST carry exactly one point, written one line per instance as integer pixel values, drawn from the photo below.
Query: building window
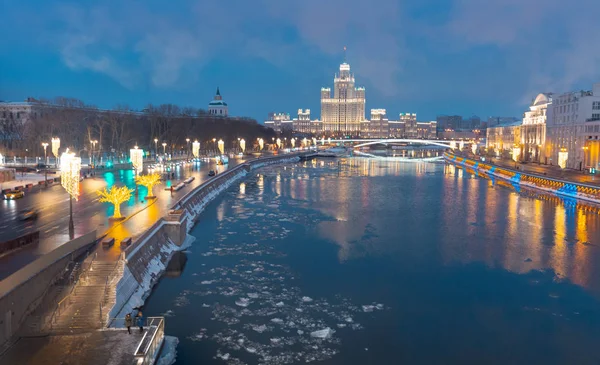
(596, 105)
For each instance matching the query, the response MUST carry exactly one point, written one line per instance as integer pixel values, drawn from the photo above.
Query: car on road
(211, 173)
(14, 194)
(27, 214)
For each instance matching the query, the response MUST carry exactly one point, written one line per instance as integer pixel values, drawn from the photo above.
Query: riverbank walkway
(551, 171)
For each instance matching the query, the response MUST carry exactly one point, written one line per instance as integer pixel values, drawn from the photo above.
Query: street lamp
(70, 167)
(187, 140)
(164, 144)
(55, 147)
(45, 145)
(214, 144)
(137, 161)
(585, 149)
(196, 149)
(93, 148)
(155, 147)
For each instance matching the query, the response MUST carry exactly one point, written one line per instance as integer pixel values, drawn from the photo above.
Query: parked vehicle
(211, 173)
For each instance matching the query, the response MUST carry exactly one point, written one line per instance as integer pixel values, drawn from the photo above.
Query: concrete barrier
(23, 291)
(14, 244)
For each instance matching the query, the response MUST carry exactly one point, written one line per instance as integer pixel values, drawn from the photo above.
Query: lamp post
(137, 161)
(215, 145)
(93, 148)
(187, 140)
(45, 145)
(164, 144)
(55, 147)
(155, 148)
(585, 149)
(70, 167)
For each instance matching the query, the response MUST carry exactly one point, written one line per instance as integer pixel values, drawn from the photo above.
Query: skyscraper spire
(344, 54)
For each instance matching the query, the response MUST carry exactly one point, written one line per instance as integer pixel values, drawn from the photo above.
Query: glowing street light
(243, 145)
(45, 145)
(137, 159)
(164, 144)
(93, 148)
(187, 151)
(278, 143)
(70, 168)
(293, 141)
(55, 147)
(155, 147)
(221, 146)
(196, 149)
(261, 143)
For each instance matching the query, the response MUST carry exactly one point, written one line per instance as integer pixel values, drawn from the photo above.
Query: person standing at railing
(128, 322)
(140, 321)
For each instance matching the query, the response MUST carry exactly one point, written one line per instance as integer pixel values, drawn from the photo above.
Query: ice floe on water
(259, 314)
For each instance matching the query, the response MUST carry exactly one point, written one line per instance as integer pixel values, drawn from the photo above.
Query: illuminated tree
(148, 181)
(115, 196)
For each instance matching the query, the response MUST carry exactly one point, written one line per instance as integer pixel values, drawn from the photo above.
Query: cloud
(551, 39)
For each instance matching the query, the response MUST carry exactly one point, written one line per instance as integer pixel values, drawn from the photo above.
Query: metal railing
(149, 347)
(109, 280)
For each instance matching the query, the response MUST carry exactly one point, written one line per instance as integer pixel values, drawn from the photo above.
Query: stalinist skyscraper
(342, 113)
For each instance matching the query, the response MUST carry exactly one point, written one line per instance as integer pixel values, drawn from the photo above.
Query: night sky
(464, 57)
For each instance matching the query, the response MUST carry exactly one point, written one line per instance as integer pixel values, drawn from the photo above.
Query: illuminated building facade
(533, 129)
(343, 112)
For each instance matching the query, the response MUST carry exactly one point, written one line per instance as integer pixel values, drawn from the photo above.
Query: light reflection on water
(468, 266)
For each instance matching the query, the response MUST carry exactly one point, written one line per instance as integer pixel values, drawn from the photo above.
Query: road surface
(89, 214)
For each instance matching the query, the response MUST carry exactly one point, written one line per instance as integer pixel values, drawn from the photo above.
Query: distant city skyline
(448, 57)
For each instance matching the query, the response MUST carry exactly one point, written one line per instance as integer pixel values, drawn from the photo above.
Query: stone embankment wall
(22, 292)
(546, 184)
(147, 258)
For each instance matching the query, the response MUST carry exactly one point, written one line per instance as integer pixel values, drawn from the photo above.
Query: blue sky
(430, 57)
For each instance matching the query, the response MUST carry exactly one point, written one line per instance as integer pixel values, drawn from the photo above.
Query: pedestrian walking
(128, 322)
(140, 321)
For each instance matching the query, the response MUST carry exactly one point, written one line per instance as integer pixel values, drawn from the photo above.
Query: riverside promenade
(75, 333)
(564, 183)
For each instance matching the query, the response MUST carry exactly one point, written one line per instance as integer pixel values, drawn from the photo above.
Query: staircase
(88, 303)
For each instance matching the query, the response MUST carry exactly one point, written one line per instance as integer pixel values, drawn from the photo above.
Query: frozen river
(359, 261)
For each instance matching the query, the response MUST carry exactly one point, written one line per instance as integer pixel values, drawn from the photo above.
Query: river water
(363, 261)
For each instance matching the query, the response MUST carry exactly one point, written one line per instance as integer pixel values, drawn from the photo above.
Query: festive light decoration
(242, 145)
(516, 152)
(329, 140)
(137, 159)
(322, 141)
(293, 141)
(55, 146)
(461, 145)
(196, 149)
(70, 168)
(278, 143)
(474, 148)
(314, 140)
(221, 145)
(305, 142)
(261, 143)
(453, 145)
(116, 196)
(148, 180)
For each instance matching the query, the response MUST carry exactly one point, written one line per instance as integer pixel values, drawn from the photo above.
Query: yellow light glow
(148, 180)
(221, 145)
(243, 145)
(55, 146)
(314, 140)
(115, 196)
(137, 159)
(196, 149)
(70, 167)
(278, 143)
(293, 141)
(261, 143)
